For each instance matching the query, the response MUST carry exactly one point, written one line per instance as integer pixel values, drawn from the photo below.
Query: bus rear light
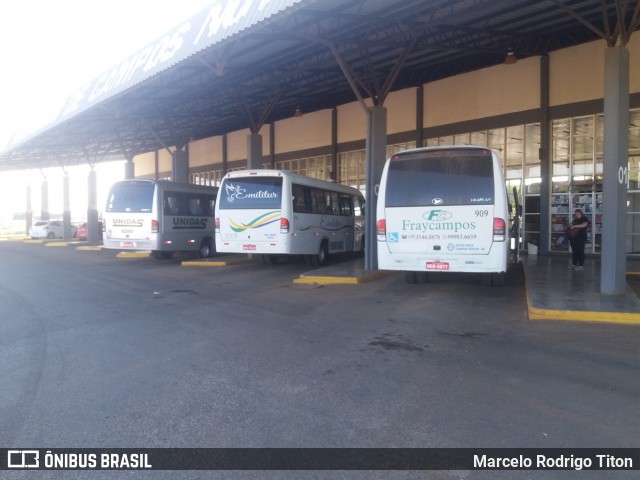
(284, 225)
(217, 224)
(155, 226)
(499, 230)
(381, 227)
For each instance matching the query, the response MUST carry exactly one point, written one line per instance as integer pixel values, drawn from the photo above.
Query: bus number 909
(482, 213)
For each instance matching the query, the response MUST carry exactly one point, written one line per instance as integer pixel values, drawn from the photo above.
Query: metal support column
(180, 167)
(225, 158)
(254, 151)
(44, 202)
(94, 229)
(334, 145)
(376, 152)
(29, 212)
(545, 157)
(129, 169)
(66, 208)
(419, 116)
(615, 170)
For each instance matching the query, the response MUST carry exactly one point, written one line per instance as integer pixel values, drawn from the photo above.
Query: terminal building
(329, 89)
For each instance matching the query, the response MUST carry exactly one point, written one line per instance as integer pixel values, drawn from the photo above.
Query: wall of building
(576, 75)
(490, 92)
(207, 151)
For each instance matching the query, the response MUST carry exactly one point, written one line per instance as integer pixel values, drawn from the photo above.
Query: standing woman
(578, 240)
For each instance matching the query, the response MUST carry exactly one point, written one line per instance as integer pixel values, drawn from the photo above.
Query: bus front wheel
(321, 257)
(206, 249)
(411, 277)
(160, 255)
(268, 259)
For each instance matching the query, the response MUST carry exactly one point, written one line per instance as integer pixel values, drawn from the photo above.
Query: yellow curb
(633, 273)
(325, 280)
(14, 239)
(133, 255)
(576, 316)
(87, 248)
(57, 244)
(35, 240)
(206, 262)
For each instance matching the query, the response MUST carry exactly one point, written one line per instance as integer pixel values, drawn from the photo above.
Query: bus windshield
(251, 192)
(440, 177)
(133, 197)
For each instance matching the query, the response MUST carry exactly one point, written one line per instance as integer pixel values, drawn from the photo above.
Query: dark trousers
(577, 247)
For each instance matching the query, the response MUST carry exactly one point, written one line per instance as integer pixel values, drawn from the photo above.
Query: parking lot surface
(99, 351)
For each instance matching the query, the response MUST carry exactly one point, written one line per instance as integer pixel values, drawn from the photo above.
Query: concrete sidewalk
(554, 291)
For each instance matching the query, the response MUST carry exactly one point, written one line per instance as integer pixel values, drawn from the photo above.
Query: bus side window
(345, 204)
(300, 200)
(195, 206)
(321, 201)
(170, 205)
(359, 207)
(335, 203)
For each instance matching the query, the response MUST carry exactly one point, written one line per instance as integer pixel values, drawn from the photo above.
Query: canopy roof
(241, 64)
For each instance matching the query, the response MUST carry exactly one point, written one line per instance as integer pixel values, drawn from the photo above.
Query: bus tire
(422, 277)
(270, 259)
(205, 250)
(498, 279)
(321, 257)
(160, 255)
(485, 279)
(410, 277)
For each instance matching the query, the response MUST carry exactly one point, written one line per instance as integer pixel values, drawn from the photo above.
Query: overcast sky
(51, 48)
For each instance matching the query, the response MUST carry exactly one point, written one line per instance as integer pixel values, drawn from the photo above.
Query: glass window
(460, 177)
(251, 192)
(132, 196)
(478, 138)
(514, 146)
(532, 143)
(345, 204)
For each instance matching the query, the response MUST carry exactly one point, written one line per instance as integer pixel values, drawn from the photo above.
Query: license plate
(127, 244)
(437, 265)
(248, 247)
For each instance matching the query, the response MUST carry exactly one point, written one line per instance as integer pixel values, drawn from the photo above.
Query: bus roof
(294, 178)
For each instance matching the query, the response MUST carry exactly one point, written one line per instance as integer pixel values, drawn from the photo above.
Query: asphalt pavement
(99, 351)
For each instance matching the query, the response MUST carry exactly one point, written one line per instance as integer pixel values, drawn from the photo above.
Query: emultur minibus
(443, 209)
(275, 212)
(160, 216)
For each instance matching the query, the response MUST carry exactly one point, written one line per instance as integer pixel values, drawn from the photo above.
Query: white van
(161, 216)
(275, 213)
(443, 209)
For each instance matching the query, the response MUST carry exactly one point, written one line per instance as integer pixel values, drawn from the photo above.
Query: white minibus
(160, 216)
(443, 209)
(275, 212)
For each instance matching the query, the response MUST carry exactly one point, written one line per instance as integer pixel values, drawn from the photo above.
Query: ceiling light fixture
(511, 58)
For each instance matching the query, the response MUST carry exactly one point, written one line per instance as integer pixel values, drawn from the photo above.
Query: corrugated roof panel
(221, 21)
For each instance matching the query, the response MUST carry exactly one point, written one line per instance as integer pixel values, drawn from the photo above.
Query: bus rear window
(256, 192)
(134, 197)
(440, 178)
